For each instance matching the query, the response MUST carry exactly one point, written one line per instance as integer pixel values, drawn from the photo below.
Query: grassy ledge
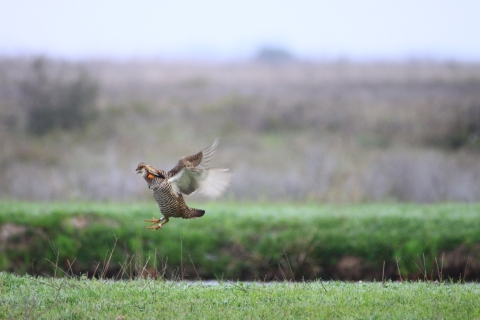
(244, 241)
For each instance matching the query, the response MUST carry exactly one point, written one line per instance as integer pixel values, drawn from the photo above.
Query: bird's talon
(153, 220)
(156, 223)
(154, 227)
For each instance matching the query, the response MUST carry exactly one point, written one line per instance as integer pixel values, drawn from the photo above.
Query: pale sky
(222, 29)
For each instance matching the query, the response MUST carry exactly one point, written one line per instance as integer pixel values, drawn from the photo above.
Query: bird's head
(141, 168)
(148, 172)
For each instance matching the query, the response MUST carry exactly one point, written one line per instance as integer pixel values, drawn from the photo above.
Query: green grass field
(78, 249)
(49, 298)
(244, 241)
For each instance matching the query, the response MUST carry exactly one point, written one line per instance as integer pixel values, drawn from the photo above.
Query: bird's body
(189, 175)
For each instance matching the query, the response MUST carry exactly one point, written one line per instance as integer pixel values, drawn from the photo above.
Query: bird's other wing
(200, 159)
(185, 181)
(211, 182)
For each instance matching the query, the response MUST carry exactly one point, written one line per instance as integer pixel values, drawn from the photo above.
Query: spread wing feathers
(216, 182)
(200, 159)
(211, 182)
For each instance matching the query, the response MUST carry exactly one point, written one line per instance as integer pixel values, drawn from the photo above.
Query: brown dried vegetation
(327, 131)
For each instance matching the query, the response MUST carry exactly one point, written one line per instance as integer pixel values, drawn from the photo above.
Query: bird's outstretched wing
(212, 182)
(199, 160)
(191, 174)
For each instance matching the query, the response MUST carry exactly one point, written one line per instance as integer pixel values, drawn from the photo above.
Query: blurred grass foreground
(235, 241)
(338, 131)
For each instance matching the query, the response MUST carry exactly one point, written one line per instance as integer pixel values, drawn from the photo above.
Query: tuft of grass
(69, 298)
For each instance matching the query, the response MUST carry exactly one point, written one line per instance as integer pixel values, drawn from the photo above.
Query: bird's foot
(154, 222)
(153, 227)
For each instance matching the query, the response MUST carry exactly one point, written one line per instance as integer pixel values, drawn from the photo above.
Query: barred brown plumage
(190, 174)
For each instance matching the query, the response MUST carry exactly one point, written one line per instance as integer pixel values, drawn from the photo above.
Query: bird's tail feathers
(196, 213)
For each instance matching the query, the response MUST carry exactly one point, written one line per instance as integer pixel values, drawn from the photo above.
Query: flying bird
(191, 173)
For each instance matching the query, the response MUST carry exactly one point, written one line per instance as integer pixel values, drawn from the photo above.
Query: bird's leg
(155, 221)
(165, 221)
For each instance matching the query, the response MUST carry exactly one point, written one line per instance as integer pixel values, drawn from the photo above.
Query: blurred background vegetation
(291, 130)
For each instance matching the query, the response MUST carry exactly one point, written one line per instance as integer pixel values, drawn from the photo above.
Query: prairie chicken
(189, 175)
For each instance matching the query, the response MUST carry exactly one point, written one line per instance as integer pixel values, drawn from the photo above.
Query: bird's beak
(138, 171)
